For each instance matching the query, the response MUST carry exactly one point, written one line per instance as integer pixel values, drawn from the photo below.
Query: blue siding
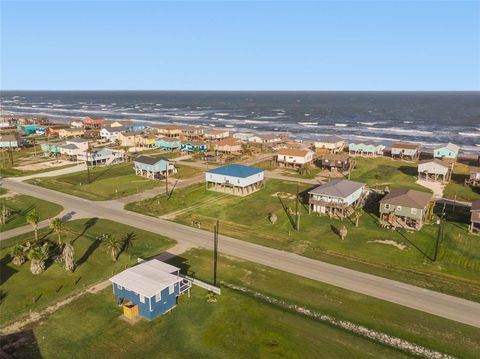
(444, 153)
(167, 301)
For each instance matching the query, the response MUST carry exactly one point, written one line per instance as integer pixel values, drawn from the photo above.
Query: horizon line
(183, 90)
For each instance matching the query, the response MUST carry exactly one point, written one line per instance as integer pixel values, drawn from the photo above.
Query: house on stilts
(235, 179)
(153, 167)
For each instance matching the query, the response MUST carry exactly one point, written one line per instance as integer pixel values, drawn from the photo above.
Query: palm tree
(358, 214)
(343, 232)
(38, 256)
(57, 226)
(113, 245)
(18, 254)
(127, 241)
(68, 254)
(33, 218)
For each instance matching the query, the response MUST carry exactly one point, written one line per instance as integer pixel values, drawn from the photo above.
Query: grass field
(22, 291)
(400, 255)
(107, 183)
(237, 326)
(457, 189)
(269, 166)
(20, 205)
(383, 171)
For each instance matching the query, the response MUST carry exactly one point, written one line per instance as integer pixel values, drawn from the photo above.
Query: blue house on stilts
(149, 289)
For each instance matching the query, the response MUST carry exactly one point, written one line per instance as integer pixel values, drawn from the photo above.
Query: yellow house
(71, 132)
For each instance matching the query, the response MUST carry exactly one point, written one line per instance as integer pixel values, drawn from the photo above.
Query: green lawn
(24, 291)
(109, 182)
(456, 187)
(238, 326)
(20, 205)
(269, 166)
(382, 171)
(368, 248)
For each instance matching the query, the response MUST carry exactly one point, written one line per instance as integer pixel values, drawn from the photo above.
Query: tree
(113, 245)
(38, 256)
(68, 254)
(272, 217)
(18, 254)
(57, 226)
(5, 214)
(127, 241)
(343, 232)
(33, 218)
(358, 214)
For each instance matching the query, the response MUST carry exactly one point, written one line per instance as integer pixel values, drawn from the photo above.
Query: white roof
(452, 147)
(148, 278)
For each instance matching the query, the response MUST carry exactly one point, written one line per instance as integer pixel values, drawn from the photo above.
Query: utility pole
(88, 167)
(439, 234)
(297, 222)
(215, 252)
(166, 179)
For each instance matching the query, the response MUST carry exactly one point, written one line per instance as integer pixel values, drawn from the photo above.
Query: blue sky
(240, 45)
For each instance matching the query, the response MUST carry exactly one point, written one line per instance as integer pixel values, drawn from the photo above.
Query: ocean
(430, 118)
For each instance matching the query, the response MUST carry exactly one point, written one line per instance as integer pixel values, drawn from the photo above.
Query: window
(142, 298)
(171, 289)
(387, 206)
(414, 211)
(158, 297)
(399, 208)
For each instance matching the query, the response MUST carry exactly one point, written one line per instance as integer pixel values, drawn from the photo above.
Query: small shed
(235, 179)
(149, 289)
(153, 167)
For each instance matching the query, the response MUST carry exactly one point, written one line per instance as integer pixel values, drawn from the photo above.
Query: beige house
(131, 139)
(229, 145)
(71, 132)
(292, 157)
(435, 170)
(216, 134)
(330, 144)
(169, 130)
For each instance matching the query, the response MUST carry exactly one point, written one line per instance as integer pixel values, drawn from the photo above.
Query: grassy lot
(20, 205)
(457, 187)
(400, 255)
(22, 291)
(382, 171)
(268, 165)
(108, 182)
(237, 326)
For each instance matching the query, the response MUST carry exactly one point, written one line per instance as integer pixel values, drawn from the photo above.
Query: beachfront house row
(367, 149)
(405, 150)
(336, 197)
(153, 167)
(10, 141)
(335, 161)
(449, 151)
(475, 217)
(112, 134)
(93, 121)
(406, 208)
(292, 157)
(70, 132)
(216, 134)
(229, 145)
(168, 143)
(330, 144)
(474, 178)
(193, 146)
(435, 170)
(149, 289)
(168, 130)
(102, 156)
(235, 179)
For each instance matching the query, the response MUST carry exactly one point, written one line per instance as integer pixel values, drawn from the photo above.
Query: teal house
(194, 146)
(51, 149)
(449, 151)
(153, 167)
(31, 129)
(365, 149)
(168, 143)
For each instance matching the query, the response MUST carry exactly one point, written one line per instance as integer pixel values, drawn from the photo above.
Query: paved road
(446, 306)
